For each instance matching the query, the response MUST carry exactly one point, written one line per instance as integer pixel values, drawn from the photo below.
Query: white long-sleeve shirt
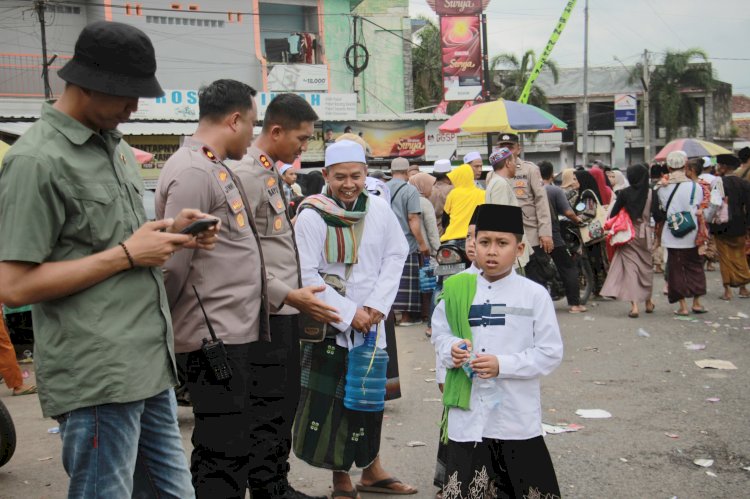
(374, 279)
(680, 202)
(519, 326)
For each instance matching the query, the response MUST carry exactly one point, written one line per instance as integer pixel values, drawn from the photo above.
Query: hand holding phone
(199, 226)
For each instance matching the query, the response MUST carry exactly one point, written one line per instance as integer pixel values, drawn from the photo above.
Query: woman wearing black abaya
(589, 195)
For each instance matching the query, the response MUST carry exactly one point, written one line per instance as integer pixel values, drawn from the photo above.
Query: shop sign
(438, 145)
(182, 105)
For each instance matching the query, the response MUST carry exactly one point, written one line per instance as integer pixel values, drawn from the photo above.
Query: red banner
(461, 47)
(458, 7)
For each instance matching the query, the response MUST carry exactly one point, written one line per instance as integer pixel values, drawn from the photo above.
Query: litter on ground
(593, 413)
(705, 463)
(715, 364)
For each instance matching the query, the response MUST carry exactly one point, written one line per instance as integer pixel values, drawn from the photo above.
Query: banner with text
(461, 47)
(458, 7)
(438, 145)
(388, 139)
(547, 51)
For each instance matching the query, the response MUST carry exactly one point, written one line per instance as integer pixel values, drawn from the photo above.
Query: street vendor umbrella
(142, 156)
(692, 147)
(502, 116)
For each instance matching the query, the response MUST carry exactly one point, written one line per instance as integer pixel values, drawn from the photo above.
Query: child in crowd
(440, 370)
(497, 334)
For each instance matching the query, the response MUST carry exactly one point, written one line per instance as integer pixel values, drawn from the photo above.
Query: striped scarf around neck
(345, 227)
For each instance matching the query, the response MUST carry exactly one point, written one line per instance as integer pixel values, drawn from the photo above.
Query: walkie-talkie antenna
(205, 316)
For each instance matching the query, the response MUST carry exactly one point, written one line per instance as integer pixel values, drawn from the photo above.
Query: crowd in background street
(117, 321)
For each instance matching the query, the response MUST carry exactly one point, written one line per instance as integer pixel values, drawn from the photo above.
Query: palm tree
(678, 72)
(426, 70)
(512, 76)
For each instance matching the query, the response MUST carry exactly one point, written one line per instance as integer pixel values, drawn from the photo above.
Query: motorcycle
(7, 435)
(571, 234)
(451, 259)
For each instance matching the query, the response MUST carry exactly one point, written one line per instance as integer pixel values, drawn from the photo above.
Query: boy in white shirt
(496, 332)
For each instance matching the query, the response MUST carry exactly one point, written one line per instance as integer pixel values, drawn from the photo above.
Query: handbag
(719, 204)
(593, 231)
(681, 223)
(314, 331)
(620, 229)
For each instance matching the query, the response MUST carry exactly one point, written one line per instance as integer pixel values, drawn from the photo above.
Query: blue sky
(623, 28)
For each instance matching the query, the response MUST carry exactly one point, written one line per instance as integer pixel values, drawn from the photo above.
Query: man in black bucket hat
(74, 241)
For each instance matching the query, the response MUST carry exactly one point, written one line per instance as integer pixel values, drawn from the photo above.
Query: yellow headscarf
(568, 178)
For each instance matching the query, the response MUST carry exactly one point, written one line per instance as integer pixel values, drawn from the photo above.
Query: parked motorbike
(7, 435)
(451, 259)
(571, 234)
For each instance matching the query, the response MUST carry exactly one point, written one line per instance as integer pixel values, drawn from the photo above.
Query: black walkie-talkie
(214, 349)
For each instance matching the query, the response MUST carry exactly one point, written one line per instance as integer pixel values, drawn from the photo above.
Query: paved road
(650, 385)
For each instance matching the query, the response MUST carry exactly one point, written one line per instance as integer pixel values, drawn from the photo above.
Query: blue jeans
(126, 450)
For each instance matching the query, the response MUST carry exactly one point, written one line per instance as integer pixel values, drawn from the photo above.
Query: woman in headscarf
(631, 272)
(423, 182)
(618, 180)
(685, 275)
(605, 192)
(569, 183)
(590, 196)
(460, 203)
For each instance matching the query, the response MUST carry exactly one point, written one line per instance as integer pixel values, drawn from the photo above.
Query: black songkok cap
(499, 218)
(474, 216)
(744, 154)
(729, 160)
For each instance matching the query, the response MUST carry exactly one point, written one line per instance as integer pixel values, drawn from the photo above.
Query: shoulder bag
(683, 222)
(593, 231)
(313, 331)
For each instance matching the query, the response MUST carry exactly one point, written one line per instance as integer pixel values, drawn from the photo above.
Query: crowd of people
(122, 305)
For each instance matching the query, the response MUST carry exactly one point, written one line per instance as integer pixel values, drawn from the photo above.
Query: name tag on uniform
(275, 199)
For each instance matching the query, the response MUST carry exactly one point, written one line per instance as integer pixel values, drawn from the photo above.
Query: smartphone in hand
(199, 226)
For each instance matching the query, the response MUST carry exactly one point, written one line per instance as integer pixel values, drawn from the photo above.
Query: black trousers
(568, 274)
(516, 469)
(243, 428)
(531, 268)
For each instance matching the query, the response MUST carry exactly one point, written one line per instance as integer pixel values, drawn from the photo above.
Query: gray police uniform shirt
(263, 184)
(532, 198)
(231, 278)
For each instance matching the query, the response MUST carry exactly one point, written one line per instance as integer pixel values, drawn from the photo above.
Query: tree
(426, 70)
(669, 82)
(511, 77)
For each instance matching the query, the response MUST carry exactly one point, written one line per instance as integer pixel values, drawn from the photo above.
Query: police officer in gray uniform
(232, 286)
(532, 198)
(287, 128)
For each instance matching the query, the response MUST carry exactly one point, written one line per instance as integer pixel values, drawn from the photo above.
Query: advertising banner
(438, 145)
(388, 139)
(458, 7)
(298, 77)
(461, 46)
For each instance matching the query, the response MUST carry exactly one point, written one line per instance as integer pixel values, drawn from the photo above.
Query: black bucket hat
(114, 59)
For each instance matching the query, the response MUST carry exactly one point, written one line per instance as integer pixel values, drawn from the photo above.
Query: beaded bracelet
(127, 253)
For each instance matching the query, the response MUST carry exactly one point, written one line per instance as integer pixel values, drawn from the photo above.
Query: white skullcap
(345, 151)
(442, 166)
(707, 163)
(472, 156)
(284, 168)
(676, 160)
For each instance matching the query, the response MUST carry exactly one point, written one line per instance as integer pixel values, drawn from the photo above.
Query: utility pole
(584, 141)
(646, 81)
(39, 7)
(486, 71)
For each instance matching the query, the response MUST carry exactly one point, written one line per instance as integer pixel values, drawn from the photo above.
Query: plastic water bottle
(366, 376)
(467, 365)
